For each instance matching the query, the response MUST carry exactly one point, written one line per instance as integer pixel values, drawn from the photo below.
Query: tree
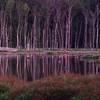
(22, 9)
(9, 8)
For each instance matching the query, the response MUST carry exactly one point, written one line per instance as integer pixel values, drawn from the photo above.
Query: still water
(32, 67)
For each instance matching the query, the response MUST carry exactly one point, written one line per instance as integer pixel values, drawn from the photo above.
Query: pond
(31, 67)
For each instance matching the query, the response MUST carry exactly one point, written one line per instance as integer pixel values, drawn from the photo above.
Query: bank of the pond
(49, 51)
(65, 87)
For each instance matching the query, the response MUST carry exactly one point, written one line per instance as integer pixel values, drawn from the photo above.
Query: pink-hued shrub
(64, 87)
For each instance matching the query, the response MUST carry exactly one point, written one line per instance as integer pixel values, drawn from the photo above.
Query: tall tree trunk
(97, 27)
(18, 32)
(35, 32)
(56, 32)
(85, 32)
(3, 29)
(68, 28)
(93, 33)
(25, 31)
(79, 35)
(47, 32)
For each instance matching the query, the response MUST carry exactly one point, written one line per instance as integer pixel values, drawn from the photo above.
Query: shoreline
(51, 51)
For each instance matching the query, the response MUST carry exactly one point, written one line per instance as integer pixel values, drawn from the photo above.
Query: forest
(49, 49)
(50, 24)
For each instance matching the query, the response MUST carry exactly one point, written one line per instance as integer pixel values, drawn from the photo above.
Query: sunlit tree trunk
(6, 35)
(25, 32)
(18, 32)
(56, 34)
(85, 32)
(68, 28)
(3, 29)
(34, 32)
(97, 26)
(94, 32)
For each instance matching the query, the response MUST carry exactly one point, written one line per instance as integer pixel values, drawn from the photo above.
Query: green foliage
(91, 57)
(19, 7)
(71, 2)
(4, 93)
(25, 95)
(64, 93)
(22, 8)
(84, 4)
(25, 8)
(94, 98)
(3, 3)
(10, 5)
(77, 98)
(83, 98)
(4, 89)
(4, 96)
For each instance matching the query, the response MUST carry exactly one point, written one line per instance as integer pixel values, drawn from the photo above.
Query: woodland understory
(50, 23)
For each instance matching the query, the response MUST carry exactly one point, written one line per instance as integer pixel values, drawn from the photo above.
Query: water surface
(32, 67)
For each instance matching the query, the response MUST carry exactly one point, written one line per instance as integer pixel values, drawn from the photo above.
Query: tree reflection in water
(31, 67)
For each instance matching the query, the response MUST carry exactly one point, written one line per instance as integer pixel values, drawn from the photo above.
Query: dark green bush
(4, 93)
(4, 89)
(5, 96)
(94, 98)
(88, 98)
(25, 95)
(77, 98)
(57, 94)
(91, 57)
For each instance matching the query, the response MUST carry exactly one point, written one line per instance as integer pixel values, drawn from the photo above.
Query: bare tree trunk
(6, 35)
(93, 32)
(76, 33)
(25, 32)
(18, 32)
(35, 33)
(90, 36)
(97, 27)
(68, 28)
(10, 32)
(79, 35)
(56, 32)
(85, 33)
(43, 39)
(3, 29)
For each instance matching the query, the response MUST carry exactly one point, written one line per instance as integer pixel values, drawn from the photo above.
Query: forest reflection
(32, 67)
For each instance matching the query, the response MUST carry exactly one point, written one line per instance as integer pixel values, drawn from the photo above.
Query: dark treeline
(50, 23)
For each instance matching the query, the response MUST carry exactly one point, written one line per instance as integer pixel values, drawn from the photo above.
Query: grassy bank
(65, 87)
